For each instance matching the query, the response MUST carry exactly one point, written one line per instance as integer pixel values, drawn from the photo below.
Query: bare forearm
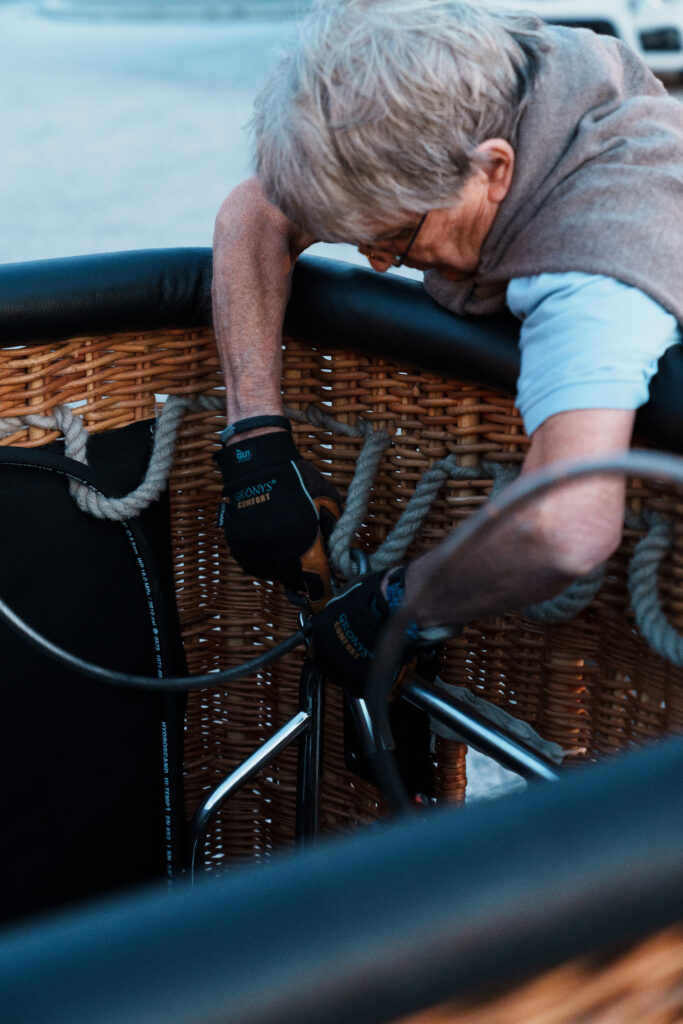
(511, 570)
(255, 248)
(535, 553)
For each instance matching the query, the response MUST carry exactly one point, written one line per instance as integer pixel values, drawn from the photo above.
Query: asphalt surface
(122, 135)
(125, 134)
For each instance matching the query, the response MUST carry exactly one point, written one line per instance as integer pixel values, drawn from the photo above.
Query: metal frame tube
(245, 771)
(479, 733)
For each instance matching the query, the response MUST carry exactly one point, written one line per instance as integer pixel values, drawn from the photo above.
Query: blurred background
(123, 122)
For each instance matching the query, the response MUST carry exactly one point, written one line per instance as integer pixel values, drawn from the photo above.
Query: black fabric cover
(84, 799)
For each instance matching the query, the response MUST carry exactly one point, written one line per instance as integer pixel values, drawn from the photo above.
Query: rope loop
(409, 523)
(76, 436)
(13, 424)
(156, 476)
(643, 574)
(567, 605)
(643, 570)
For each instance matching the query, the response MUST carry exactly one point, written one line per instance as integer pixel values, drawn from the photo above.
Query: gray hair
(374, 115)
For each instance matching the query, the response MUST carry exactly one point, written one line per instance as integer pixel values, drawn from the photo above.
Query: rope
(565, 606)
(376, 442)
(562, 608)
(496, 716)
(394, 547)
(643, 576)
(75, 442)
(643, 570)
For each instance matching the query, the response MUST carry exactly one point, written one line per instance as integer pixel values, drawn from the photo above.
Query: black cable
(654, 465)
(106, 675)
(651, 465)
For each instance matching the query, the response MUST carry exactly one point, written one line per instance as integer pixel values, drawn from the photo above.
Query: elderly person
(518, 165)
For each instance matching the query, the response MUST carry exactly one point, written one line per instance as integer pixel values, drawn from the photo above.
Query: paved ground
(123, 134)
(127, 135)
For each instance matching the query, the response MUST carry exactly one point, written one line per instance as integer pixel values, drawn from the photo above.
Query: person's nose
(379, 263)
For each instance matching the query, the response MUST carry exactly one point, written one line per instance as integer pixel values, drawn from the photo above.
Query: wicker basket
(643, 985)
(592, 685)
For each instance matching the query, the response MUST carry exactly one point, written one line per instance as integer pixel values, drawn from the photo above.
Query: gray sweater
(598, 181)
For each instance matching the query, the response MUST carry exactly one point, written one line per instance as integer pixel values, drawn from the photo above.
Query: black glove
(279, 508)
(342, 641)
(344, 634)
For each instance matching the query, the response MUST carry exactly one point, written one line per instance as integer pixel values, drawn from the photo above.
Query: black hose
(654, 465)
(106, 675)
(651, 465)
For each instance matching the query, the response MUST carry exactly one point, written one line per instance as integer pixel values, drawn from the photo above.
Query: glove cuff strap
(395, 598)
(253, 423)
(396, 588)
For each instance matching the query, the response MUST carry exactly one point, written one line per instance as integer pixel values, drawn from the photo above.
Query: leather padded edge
(52, 300)
(332, 304)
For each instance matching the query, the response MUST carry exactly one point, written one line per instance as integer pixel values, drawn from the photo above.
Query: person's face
(450, 238)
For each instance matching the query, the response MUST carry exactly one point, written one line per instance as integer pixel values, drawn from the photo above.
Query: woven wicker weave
(643, 985)
(592, 685)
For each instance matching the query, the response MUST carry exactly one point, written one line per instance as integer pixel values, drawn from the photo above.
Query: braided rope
(561, 608)
(643, 573)
(75, 443)
(565, 606)
(394, 547)
(643, 569)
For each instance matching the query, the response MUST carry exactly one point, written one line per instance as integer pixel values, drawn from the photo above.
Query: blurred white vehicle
(659, 31)
(653, 28)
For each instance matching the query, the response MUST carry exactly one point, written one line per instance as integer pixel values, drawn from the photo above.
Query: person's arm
(589, 346)
(278, 508)
(255, 248)
(536, 553)
(529, 557)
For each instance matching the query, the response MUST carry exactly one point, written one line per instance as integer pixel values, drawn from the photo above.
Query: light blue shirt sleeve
(587, 342)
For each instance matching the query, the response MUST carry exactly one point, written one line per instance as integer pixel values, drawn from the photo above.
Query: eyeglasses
(393, 259)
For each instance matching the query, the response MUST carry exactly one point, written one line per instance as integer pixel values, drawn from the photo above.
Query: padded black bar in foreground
(374, 926)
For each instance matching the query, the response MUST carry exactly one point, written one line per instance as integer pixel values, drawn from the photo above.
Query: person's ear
(496, 158)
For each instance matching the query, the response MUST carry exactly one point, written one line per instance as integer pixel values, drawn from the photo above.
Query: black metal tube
(479, 733)
(309, 767)
(255, 763)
